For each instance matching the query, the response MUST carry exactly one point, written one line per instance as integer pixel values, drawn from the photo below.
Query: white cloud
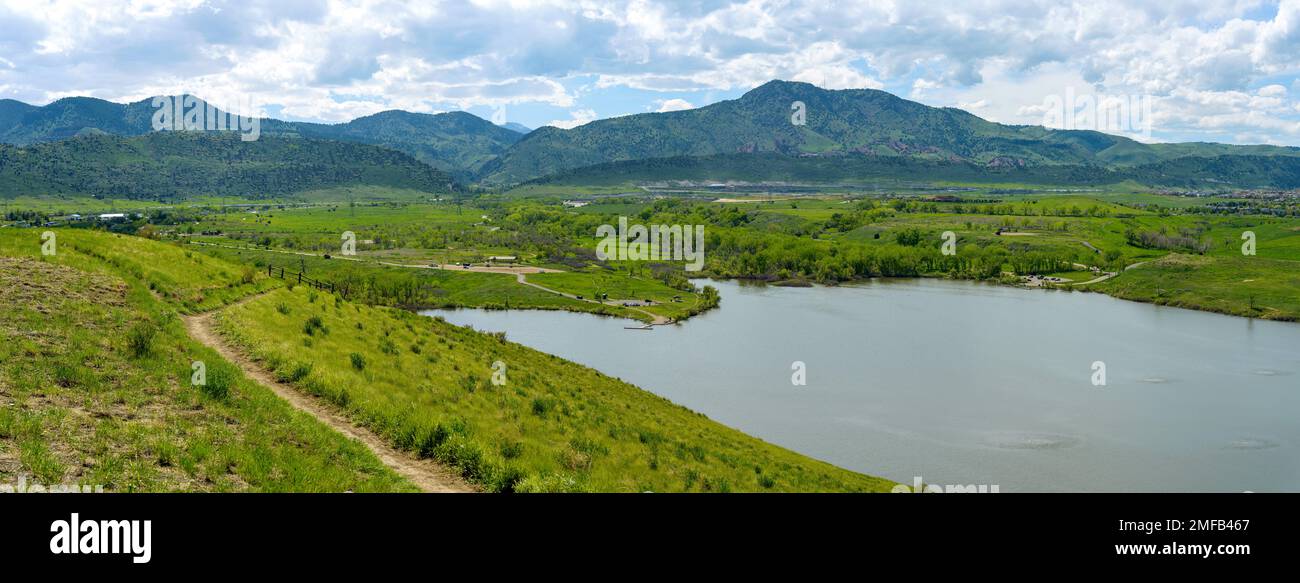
(577, 118)
(1226, 61)
(672, 105)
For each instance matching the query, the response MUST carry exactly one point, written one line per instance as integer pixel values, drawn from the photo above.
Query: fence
(316, 283)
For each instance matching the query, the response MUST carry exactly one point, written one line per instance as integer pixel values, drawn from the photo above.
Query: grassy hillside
(95, 379)
(1254, 287)
(95, 371)
(553, 425)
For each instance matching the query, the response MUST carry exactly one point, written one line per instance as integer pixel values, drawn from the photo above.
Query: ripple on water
(1030, 440)
(1252, 443)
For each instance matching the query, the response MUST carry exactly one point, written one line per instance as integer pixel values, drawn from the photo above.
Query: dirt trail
(425, 474)
(657, 320)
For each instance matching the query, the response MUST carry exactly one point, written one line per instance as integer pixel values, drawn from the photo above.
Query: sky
(1224, 71)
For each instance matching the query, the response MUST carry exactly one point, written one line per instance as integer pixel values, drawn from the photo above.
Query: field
(1000, 232)
(397, 241)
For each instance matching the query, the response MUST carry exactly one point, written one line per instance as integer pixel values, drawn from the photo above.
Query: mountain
(170, 165)
(838, 122)
(22, 124)
(859, 129)
(518, 127)
(456, 142)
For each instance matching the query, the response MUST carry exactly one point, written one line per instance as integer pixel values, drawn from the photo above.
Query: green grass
(95, 378)
(620, 287)
(426, 386)
(189, 280)
(1255, 287)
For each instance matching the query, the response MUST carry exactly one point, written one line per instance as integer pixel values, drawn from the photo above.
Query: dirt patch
(44, 287)
(1181, 259)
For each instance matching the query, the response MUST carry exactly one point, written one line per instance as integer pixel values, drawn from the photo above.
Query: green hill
(455, 142)
(175, 165)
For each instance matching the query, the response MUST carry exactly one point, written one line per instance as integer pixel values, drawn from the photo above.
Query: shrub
(217, 384)
(313, 324)
(358, 361)
(139, 339)
(298, 371)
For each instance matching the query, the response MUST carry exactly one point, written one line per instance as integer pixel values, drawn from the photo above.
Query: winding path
(426, 474)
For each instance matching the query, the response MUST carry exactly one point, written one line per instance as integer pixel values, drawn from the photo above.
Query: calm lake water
(967, 383)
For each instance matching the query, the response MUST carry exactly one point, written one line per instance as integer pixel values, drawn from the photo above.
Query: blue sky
(1215, 71)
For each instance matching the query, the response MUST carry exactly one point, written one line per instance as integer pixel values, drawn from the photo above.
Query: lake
(968, 383)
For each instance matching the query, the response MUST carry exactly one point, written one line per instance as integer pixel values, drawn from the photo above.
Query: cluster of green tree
(864, 212)
(774, 257)
(167, 166)
(30, 216)
(1187, 240)
(1027, 209)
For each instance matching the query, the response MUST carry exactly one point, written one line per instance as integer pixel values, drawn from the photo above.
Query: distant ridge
(456, 142)
(840, 125)
(838, 122)
(175, 165)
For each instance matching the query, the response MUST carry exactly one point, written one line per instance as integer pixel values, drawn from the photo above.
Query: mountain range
(455, 142)
(845, 133)
(169, 166)
(863, 122)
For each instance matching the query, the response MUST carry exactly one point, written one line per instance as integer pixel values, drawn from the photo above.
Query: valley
(295, 268)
